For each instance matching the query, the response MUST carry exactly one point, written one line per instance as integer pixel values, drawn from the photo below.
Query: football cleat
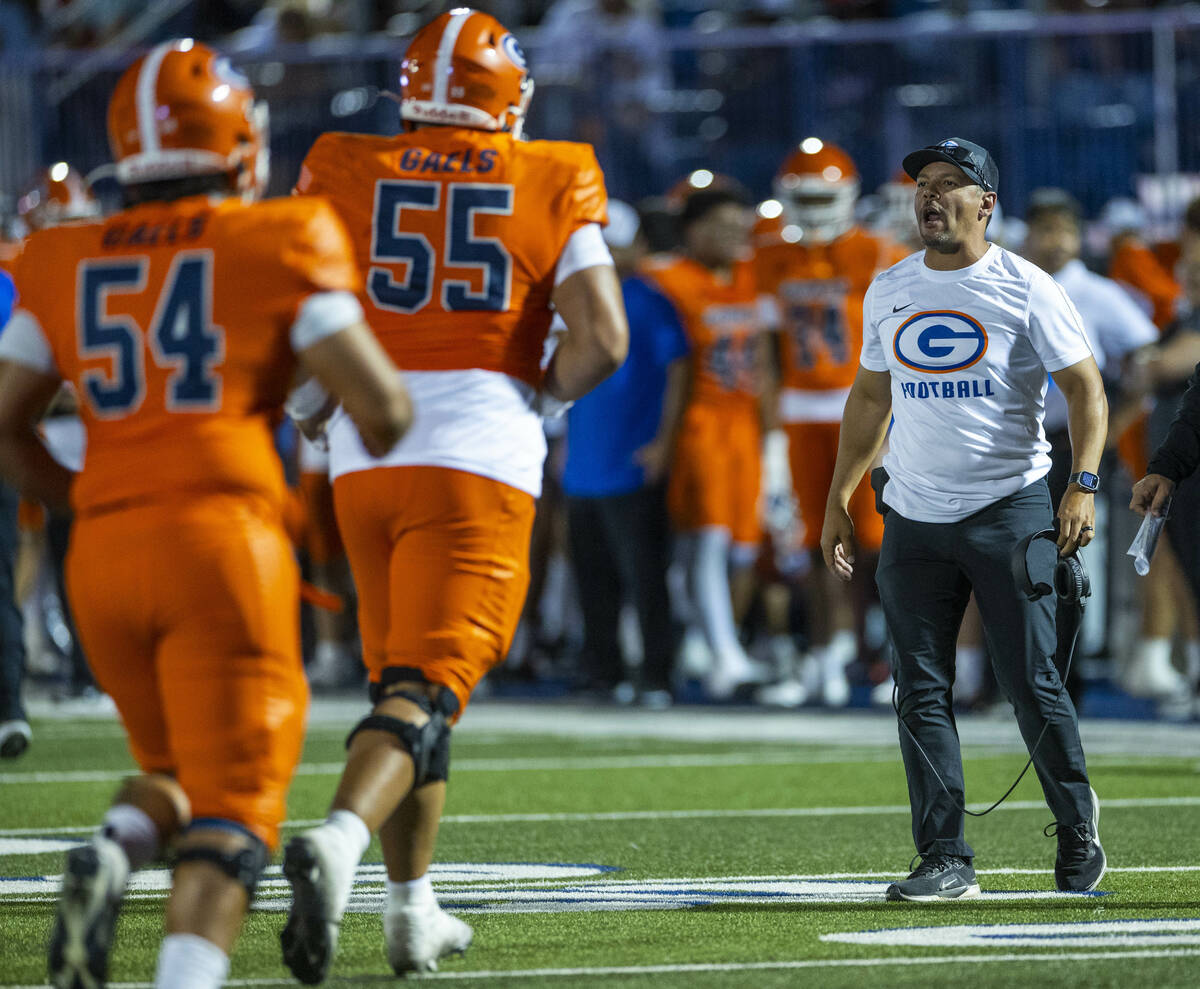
(82, 936)
(15, 736)
(418, 935)
(321, 875)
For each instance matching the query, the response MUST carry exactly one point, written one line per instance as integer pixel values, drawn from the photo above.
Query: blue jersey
(8, 296)
(621, 415)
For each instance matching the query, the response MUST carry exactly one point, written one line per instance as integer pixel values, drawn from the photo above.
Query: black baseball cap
(970, 157)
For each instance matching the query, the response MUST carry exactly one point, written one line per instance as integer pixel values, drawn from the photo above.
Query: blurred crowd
(265, 23)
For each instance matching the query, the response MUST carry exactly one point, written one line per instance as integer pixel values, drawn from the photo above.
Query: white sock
(844, 646)
(1154, 652)
(410, 893)
(1191, 652)
(711, 583)
(968, 672)
(352, 829)
(188, 961)
(132, 829)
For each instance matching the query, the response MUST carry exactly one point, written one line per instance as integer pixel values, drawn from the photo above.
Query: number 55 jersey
(459, 234)
(462, 236)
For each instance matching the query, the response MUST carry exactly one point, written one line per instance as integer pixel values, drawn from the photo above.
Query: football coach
(957, 341)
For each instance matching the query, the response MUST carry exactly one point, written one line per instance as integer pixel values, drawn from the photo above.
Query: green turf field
(692, 848)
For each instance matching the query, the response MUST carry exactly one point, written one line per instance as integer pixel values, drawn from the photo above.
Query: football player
(180, 321)
(817, 275)
(712, 492)
(59, 194)
(467, 235)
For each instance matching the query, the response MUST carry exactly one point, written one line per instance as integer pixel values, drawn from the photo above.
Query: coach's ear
(987, 204)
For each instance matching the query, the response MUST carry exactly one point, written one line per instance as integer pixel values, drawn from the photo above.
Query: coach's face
(951, 207)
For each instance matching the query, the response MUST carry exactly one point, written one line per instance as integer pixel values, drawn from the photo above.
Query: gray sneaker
(1080, 863)
(938, 877)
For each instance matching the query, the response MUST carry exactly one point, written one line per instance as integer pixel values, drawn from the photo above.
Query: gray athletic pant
(926, 574)
(12, 643)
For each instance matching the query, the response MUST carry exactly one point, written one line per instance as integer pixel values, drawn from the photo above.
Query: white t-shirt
(968, 351)
(1113, 321)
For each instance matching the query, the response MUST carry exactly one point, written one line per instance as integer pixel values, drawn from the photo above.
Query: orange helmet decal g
(181, 110)
(464, 68)
(818, 185)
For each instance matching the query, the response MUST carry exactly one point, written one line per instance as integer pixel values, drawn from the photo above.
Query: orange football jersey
(173, 325)
(722, 321)
(1141, 268)
(458, 233)
(819, 291)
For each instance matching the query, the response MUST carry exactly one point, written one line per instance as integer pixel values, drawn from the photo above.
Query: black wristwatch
(1086, 480)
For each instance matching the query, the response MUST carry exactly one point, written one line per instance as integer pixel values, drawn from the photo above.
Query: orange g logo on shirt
(940, 341)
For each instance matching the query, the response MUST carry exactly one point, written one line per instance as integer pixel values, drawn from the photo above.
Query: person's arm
(1176, 458)
(1087, 417)
(655, 456)
(864, 426)
(25, 394)
(352, 366)
(597, 338)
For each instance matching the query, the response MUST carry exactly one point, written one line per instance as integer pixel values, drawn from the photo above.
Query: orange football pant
(440, 559)
(716, 472)
(189, 615)
(812, 453)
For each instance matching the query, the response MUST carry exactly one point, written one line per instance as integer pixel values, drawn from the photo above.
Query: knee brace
(428, 744)
(245, 864)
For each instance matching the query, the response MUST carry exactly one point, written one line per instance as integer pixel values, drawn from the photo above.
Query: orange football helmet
(59, 194)
(818, 186)
(181, 110)
(464, 68)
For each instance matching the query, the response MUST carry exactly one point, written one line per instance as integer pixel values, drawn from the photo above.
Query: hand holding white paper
(1144, 543)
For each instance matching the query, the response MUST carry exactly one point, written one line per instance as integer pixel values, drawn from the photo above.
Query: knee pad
(428, 744)
(245, 864)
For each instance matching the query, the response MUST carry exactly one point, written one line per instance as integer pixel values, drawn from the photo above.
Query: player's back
(458, 233)
(172, 321)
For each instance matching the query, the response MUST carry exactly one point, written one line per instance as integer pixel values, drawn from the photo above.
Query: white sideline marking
(670, 815)
(543, 888)
(884, 962)
(516, 764)
(1077, 934)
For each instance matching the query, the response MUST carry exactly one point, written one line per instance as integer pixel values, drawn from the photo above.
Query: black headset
(1071, 582)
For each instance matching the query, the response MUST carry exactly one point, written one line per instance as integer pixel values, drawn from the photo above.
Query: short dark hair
(1052, 202)
(699, 204)
(1191, 215)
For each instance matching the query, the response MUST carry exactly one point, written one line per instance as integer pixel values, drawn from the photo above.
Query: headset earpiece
(1071, 581)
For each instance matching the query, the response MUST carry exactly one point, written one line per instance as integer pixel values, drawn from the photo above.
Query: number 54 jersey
(175, 322)
(459, 234)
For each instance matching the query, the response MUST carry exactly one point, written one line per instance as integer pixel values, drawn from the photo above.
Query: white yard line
(1136, 803)
(815, 963)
